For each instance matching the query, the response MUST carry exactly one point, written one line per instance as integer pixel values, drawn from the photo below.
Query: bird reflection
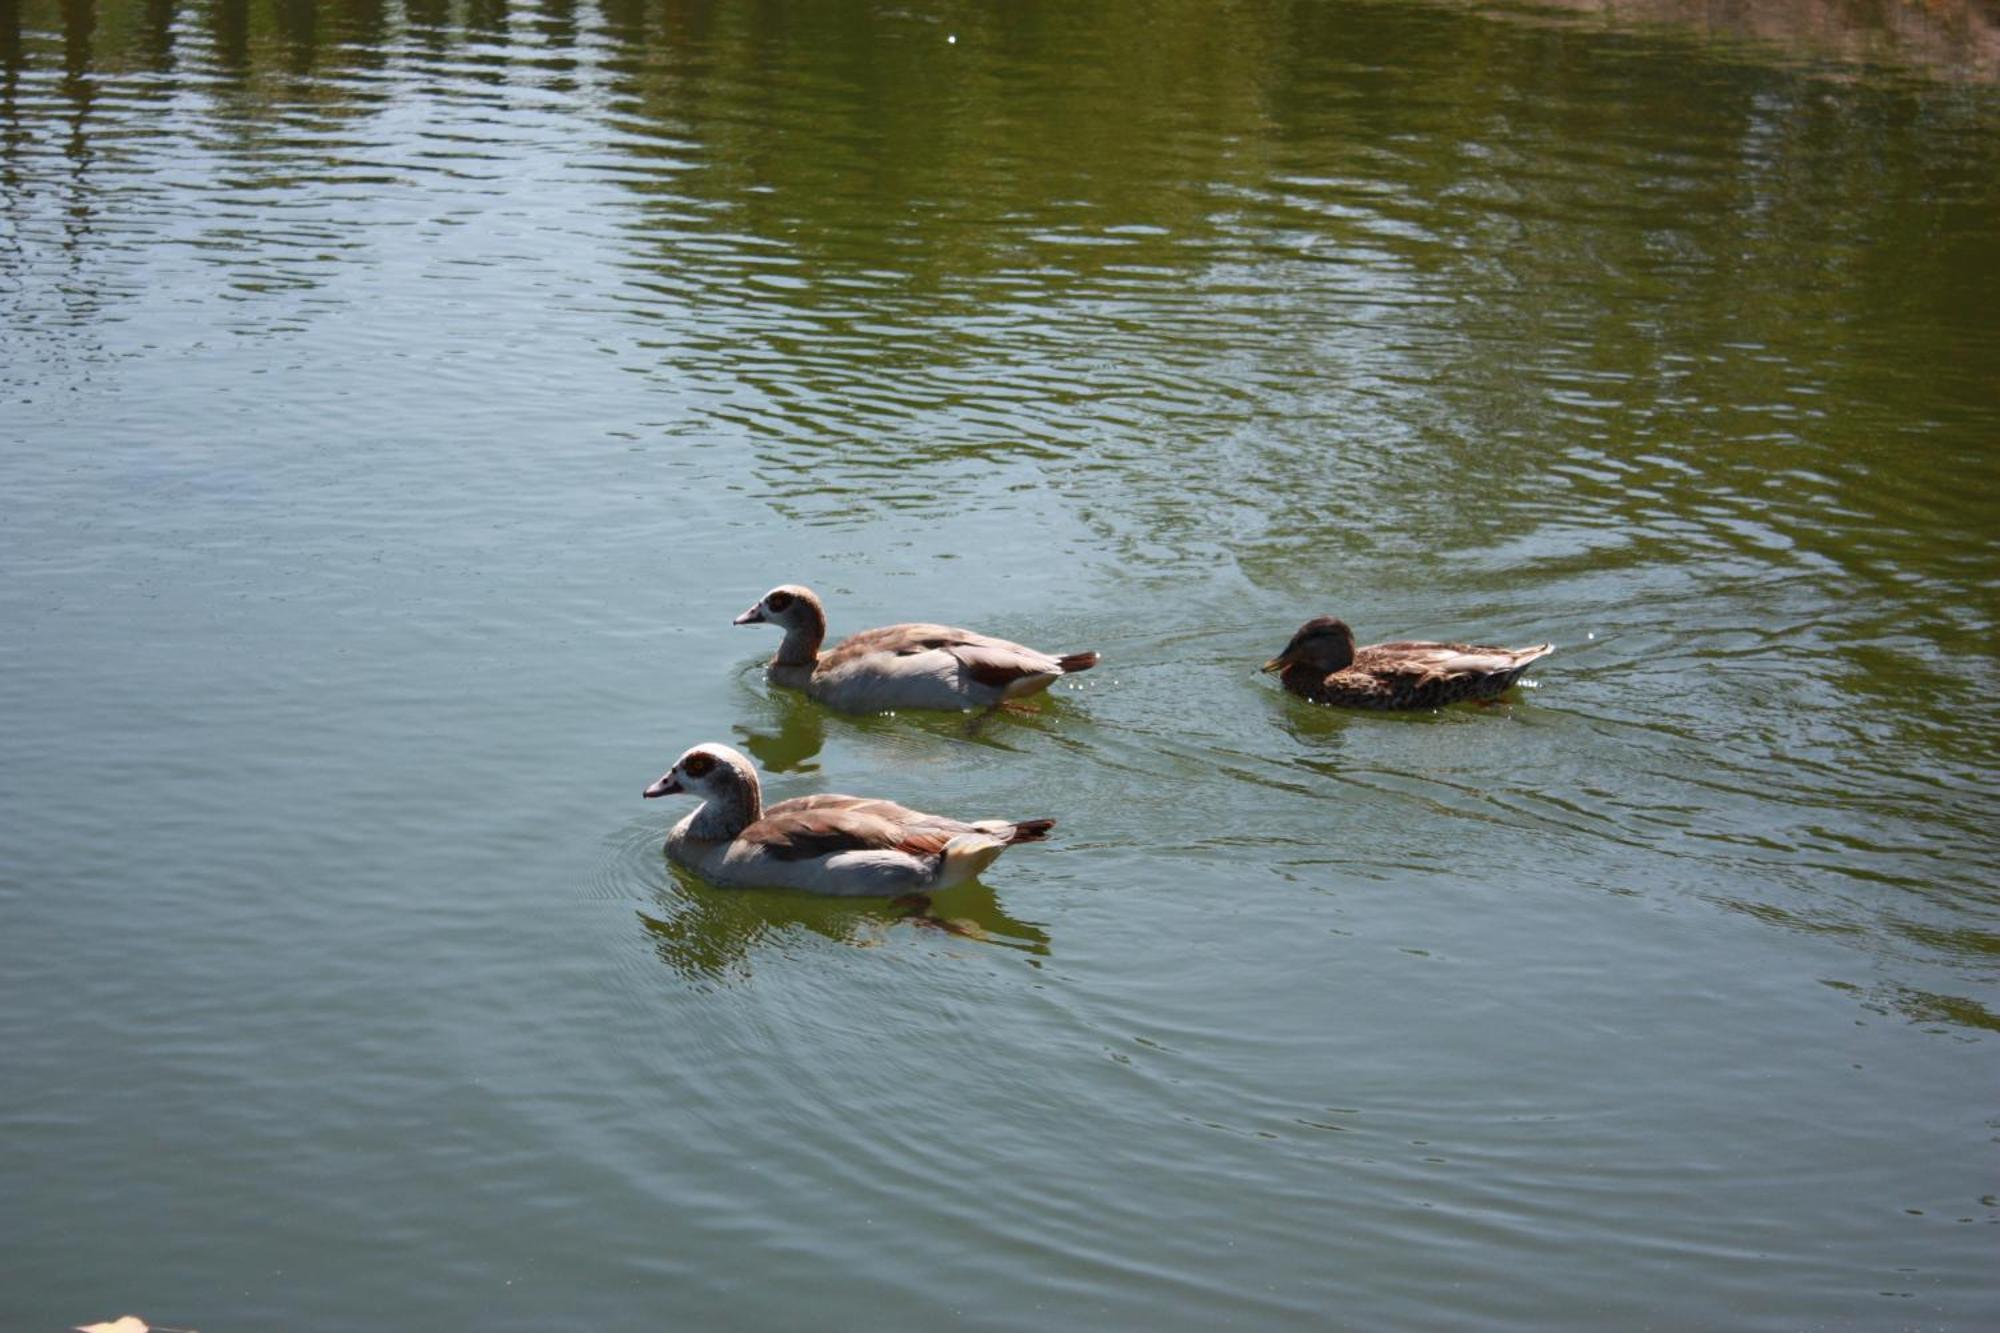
(795, 728)
(1314, 726)
(1321, 727)
(711, 935)
(800, 735)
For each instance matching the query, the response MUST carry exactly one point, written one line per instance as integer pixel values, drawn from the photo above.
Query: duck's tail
(1522, 658)
(1526, 657)
(1074, 662)
(965, 856)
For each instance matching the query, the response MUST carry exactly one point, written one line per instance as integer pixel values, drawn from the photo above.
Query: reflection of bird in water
(1321, 663)
(901, 666)
(845, 845)
(798, 729)
(710, 934)
(800, 736)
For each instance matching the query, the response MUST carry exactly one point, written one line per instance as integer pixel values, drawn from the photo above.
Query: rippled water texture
(397, 402)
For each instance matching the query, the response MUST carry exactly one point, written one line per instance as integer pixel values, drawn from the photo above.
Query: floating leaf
(130, 1323)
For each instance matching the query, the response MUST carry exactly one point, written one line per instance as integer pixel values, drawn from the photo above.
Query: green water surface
(397, 401)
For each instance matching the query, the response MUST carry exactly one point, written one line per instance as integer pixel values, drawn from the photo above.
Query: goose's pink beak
(754, 616)
(666, 786)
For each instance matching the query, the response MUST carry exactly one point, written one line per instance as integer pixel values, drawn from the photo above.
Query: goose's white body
(880, 682)
(847, 846)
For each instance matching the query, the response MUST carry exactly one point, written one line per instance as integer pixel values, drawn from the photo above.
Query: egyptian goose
(843, 845)
(900, 666)
(1321, 663)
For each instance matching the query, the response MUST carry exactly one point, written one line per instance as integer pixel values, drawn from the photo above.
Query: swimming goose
(1321, 663)
(900, 666)
(845, 845)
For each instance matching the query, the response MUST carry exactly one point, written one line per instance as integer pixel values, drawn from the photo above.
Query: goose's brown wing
(896, 641)
(998, 663)
(872, 807)
(825, 802)
(800, 835)
(988, 660)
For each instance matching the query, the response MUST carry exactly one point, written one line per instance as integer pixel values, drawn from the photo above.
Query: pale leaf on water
(130, 1323)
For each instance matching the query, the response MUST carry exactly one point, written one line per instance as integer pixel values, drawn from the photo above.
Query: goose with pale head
(850, 846)
(901, 666)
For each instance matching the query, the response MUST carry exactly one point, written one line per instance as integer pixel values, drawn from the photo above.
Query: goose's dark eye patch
(778, 601)
(698, 765)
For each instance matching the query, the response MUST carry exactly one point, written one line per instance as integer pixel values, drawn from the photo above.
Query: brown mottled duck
(1322, 664)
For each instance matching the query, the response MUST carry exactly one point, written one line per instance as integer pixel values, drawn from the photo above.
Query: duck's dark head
(1324, 643)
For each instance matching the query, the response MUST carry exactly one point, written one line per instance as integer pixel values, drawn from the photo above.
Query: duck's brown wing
(1424, 660)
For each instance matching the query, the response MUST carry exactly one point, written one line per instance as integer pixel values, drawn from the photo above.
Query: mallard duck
(901, 666)
(1321, 663)
(845, 845)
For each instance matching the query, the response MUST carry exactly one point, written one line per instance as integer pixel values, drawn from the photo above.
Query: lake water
(398, 401)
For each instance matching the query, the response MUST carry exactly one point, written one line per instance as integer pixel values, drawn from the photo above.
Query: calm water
(397, 401)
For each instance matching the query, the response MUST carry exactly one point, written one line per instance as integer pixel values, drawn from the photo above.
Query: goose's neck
(724, 815)
(803, 637)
